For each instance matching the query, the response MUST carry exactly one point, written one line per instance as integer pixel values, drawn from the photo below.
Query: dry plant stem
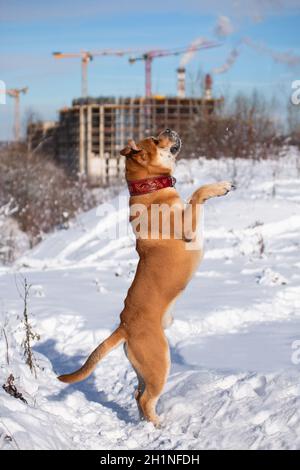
(29, 334)
(6, 343)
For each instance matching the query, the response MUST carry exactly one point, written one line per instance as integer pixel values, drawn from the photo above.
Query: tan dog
(164, 269)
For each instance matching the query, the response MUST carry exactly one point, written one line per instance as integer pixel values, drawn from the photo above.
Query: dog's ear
(155, 140)
(131, 149)
(137, 154)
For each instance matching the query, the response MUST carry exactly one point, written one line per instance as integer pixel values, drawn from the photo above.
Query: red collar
(149, 185)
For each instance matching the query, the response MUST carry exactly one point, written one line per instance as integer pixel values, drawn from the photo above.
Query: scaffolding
(89, 135)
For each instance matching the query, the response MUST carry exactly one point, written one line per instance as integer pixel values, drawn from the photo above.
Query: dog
(166, 264)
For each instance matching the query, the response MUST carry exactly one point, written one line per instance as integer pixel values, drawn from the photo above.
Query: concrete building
(90, 134)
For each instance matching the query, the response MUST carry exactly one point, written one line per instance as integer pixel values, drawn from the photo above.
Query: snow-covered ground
(234, 381)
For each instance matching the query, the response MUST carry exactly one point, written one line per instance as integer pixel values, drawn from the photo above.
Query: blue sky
(30, 30)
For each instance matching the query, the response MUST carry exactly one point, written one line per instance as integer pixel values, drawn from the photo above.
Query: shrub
(42, 194)
(245, 128)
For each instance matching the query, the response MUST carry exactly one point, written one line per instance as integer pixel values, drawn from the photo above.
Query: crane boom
(153, 54)
(86, 57)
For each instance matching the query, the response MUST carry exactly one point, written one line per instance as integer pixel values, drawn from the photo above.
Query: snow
(13, 240)
(234, 381)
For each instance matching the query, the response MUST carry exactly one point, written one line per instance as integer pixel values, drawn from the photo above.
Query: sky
(268, 60)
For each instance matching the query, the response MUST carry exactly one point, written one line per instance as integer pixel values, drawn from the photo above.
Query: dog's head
(152, 156)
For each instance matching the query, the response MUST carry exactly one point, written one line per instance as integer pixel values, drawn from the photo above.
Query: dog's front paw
(223, 188)
(212, 190)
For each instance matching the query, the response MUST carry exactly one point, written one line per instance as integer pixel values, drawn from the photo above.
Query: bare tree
(245, 128)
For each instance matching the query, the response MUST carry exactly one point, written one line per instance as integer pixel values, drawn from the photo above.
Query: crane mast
(86, 57)
(148, 57)
(15, 93)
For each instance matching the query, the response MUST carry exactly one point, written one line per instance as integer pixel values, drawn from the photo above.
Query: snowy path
(232, 384)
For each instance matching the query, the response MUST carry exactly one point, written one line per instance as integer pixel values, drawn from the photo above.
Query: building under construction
(89, 135)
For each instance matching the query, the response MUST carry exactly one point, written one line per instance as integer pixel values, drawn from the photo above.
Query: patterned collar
(149, 185)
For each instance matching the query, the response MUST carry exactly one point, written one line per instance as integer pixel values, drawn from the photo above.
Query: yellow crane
(15, 93)
(86, 57)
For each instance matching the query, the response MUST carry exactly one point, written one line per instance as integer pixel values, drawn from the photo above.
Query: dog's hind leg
(140, 388)
(151, 359)
(139, 392)
(141, 384)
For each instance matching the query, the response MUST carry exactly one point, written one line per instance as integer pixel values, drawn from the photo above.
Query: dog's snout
(174, 149)
(169, 133)
(173, 138)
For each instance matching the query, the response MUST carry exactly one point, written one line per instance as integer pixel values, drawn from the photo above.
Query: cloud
(288, 58)
(223, 27)
(230, 61)
(187, 57)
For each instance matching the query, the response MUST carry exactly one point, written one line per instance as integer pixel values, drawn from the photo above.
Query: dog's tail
(116, 338)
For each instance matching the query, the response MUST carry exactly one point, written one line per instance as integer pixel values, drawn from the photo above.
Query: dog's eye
(155, 140)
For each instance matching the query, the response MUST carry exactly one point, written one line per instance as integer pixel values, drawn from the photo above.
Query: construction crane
(86, 57)
(148, 57)
(15, 93)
